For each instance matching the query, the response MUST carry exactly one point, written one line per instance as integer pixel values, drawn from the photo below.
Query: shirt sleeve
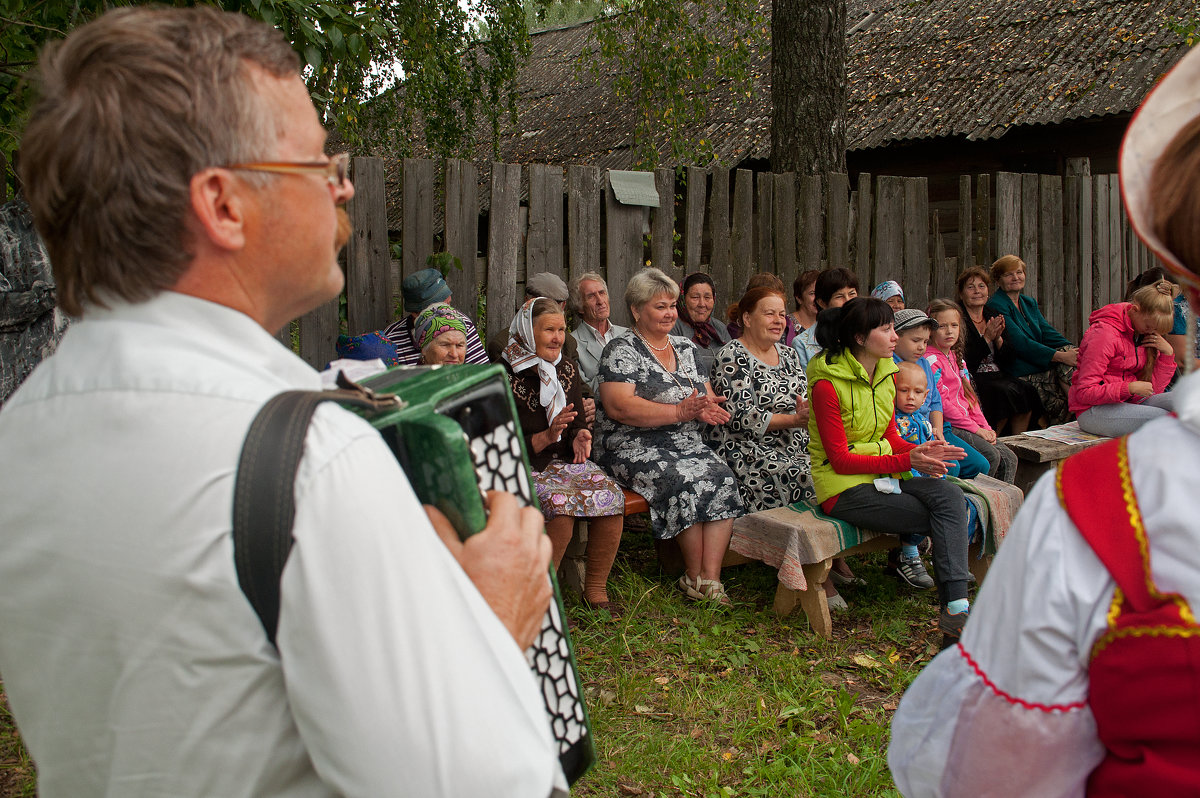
(399, 675)
(1090, 385)
(833, 436)
(1008, 705)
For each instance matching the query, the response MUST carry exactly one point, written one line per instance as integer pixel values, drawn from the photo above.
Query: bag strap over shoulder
(264, 497)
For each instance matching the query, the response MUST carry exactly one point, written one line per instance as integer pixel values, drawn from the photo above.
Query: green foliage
(443, 262)
(1188, 29)
(666, 61)
(352, 51)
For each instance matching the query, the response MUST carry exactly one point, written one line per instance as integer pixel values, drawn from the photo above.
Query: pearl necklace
(663, 348)
(672, 373)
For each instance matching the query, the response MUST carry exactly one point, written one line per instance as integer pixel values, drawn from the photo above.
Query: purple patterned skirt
(580, 490)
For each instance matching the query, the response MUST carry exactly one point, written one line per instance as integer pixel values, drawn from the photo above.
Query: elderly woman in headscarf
(695, 322)
(441, 334)
(546, 386)
(1076, 674)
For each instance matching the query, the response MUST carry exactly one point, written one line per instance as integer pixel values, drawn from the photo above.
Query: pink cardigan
(1109, 361)
(955, 407)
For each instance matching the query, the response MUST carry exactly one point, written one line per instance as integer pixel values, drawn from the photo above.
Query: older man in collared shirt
(589, 298)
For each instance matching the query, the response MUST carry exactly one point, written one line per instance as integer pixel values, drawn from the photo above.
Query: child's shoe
(951, 626)
(912, 570)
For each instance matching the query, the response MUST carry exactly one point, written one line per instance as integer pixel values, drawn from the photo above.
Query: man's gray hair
(647, 284)
(132, 106)
(577, 289)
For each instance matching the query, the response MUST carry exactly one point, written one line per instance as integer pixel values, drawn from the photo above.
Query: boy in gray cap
(420, 290)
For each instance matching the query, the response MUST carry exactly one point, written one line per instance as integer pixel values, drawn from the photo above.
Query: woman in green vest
(859, 462)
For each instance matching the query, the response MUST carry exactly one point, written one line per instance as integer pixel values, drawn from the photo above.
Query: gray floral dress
(772, 466)
(682, 479)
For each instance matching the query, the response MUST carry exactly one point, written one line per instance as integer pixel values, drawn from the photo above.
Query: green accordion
(456, 435)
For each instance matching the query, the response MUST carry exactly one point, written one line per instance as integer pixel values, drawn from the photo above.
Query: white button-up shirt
(133, 662)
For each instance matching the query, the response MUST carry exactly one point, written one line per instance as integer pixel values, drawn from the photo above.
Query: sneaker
(913, 572)
(951, 626)
(846, 581)
(837, 603)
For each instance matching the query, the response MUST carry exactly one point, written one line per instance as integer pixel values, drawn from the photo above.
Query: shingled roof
(917, 70)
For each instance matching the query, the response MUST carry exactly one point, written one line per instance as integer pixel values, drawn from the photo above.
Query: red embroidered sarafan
(1145, 669)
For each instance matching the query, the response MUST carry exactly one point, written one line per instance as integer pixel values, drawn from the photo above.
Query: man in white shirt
(589, 298)
(176, 169)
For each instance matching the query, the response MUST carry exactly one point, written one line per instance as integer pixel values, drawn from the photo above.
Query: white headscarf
(521, 354)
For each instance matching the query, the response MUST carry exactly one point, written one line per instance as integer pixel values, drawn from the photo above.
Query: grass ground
(697, 701)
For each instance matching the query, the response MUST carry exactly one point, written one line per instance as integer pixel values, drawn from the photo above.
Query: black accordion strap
(264, 497)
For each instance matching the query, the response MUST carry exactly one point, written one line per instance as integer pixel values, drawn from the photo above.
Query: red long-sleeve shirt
(828, 414)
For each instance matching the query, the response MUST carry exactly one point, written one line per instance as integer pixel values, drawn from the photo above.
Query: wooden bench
(1036, 456)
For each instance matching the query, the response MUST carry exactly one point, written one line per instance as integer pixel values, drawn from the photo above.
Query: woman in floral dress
(650, 434)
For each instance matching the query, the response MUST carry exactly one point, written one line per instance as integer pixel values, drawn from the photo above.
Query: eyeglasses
(335, 169)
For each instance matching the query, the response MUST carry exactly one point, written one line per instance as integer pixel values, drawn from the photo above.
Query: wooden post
(1071, 277)
(862, 232)
(623, 240)
(368, 287)
(966, 252)
(693, 225)
(765, 228)
(811, 225)
(1100, 253)
(462, 233)
(544, 241)
(417, 224)
(718, 234)
(1116, 282)
(1051, 275)
(583, 219)
(917, 274)
(504, 246)
(943, 276)
(742, 245)
(889, 233)
(785, 225)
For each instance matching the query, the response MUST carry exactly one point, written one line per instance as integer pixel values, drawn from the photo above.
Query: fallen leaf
(607, 697)
(728, 757)
(629, 789)
(642, 709)
(662, 680)
(890, 706)
(863, 661)
(852, 759)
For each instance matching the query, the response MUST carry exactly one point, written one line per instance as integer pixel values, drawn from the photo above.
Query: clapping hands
(702, 407)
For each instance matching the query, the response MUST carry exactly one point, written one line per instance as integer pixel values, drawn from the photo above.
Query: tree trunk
(808, 86)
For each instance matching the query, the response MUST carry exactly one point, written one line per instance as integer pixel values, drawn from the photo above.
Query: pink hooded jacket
(1109, 361)
(956, 408)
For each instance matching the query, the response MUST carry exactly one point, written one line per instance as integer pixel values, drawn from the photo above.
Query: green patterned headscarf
(435, 320)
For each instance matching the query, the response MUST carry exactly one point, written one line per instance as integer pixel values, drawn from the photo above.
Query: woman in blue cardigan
(1043, 357)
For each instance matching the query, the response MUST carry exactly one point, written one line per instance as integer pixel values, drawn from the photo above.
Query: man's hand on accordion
(507, 561)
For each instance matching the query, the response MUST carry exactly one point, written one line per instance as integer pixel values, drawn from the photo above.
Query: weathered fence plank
(544, 240)
(862, 234)
(1052, 277)
(837, 220)
(810, 224)
(1070, 278)
(1084, 307)
(1116, 273)
(1008, 214)
(462, 233)
(693, 225)
(889, 233)
(623, 249)
(985, 241)
(1029, 232)
(966, 252)
(718, 234)
(662, 225)
(583, 219)
(942, 282)
(417, 228)
(318, 334)
(368, 287)
(766, 223)
(504, 246)
(1101, 262)
(785, 225)
(916, 271)
(743, 228)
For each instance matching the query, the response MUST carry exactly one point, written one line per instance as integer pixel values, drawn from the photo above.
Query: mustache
(344, 227)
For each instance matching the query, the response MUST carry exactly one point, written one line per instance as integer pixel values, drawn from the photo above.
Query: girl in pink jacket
(960, 405)
(1110, 393)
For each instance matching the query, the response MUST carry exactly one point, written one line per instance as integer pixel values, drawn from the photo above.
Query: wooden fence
(1071, 232)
